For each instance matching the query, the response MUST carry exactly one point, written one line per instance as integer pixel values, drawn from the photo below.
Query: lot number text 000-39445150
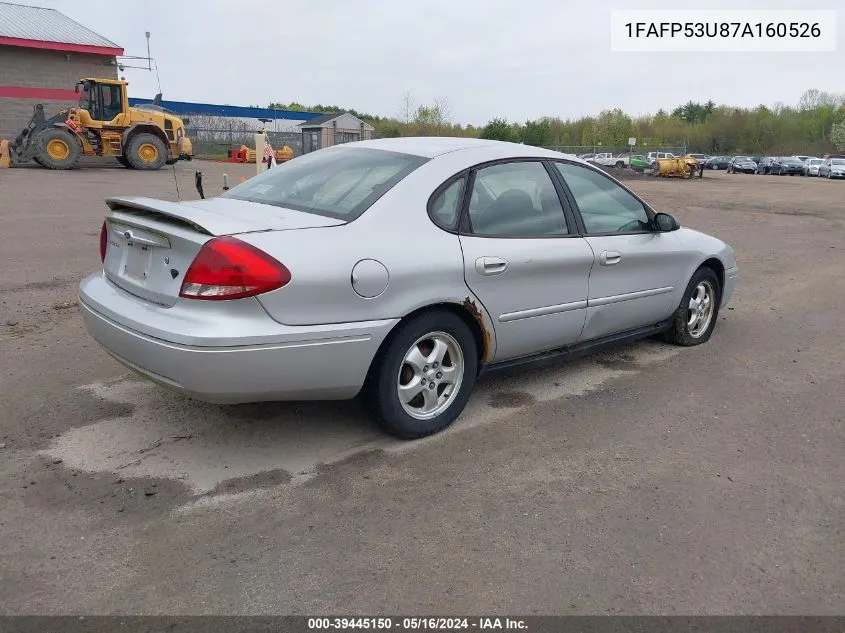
(724, 31)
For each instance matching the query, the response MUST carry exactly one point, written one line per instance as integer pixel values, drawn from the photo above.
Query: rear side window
(341, 183)
(515, 200)
(444, 207)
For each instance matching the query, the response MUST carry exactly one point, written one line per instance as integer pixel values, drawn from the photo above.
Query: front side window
(605, 206)
(515, 200)
(85, 102)
(340, 183)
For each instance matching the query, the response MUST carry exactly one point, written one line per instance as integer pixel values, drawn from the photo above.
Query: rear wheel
(696, 317)
(422, 378)
(146, 151)
(57, 149)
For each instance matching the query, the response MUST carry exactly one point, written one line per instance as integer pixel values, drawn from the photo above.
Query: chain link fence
(213, 137)
(581, 150)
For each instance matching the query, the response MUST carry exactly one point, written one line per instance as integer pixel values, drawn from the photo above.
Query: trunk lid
(225, 216)
(151, 243)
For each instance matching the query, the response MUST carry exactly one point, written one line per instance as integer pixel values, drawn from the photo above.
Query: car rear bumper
(200, 357)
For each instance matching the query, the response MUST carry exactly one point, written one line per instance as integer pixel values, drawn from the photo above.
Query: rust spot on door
(474, 310)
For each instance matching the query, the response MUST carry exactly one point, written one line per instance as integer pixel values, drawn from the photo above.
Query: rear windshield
(336, 183)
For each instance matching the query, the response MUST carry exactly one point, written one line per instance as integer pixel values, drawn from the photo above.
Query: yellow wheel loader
(103, 124)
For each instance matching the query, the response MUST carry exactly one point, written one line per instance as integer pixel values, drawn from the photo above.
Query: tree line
(815, 126)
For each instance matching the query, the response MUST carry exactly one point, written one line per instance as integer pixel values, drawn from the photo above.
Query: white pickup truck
(609, 160)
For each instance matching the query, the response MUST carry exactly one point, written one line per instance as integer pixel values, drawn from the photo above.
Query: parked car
(811, 166)
(701, 158)
(638, 162)
(587, 156)
(742, 164)
(765, 165)
(718, 162)
(653, 156)
(609, 160)
(364, 267)
(804, 159)
(832, 168)
(787, 165)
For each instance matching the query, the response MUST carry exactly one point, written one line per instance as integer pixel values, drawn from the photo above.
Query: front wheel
(696, 317)
(146, 151)
(57, 149)
(422, 378)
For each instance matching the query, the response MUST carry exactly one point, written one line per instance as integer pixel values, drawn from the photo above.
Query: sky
(515, 59)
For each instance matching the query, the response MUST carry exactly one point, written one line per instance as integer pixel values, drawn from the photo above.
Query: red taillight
(227, 268)
(104, 241)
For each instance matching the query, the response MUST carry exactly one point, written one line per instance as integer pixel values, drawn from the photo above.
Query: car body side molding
(603, 301)
(574, 351)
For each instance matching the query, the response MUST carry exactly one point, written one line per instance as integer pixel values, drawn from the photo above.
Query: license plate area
(137, 263)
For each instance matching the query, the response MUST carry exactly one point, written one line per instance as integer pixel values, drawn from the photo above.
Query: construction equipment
(247, 154)
(103, 124)
(677, 167)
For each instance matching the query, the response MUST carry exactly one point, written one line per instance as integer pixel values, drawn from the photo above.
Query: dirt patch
(266, 479)
(625, 361)
(511, 399)
(622, 173)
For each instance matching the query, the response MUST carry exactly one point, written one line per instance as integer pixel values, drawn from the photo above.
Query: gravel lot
(650, 479)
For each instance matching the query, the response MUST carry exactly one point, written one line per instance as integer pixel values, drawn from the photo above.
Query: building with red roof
(43, 53)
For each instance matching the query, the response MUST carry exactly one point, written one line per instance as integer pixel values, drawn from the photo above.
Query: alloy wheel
(701, 306)
(430, 376)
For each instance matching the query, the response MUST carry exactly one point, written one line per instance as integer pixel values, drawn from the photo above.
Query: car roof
(433, 146)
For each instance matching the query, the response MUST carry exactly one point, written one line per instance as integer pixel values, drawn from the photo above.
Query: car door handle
(490, 265)
(609, 258)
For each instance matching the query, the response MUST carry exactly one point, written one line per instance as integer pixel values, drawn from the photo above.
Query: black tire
(140, 143)
(380, 393)
(58, 136)
(122, 160)
(680, 333)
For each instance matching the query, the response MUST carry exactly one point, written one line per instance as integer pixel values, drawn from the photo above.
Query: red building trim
(45, 94)
(61, 46)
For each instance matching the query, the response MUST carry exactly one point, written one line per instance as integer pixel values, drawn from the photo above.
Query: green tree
(837, 135)
(498, 130)
(614, 128)
(537, 133)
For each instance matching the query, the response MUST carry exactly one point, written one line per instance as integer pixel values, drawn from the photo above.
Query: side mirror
(664, 223)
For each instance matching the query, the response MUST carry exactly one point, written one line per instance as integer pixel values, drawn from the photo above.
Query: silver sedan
(397, 269)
